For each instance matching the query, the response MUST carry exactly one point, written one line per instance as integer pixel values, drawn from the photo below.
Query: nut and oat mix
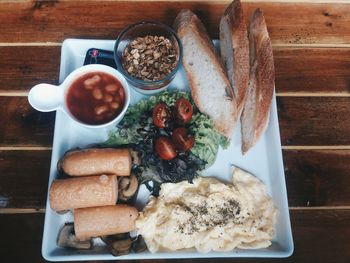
(150, 58)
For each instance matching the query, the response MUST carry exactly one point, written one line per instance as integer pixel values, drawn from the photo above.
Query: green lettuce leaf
(207, 139)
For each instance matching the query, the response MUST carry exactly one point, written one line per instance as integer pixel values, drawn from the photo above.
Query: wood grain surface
(314, 121)
(312, 230)
(312, 70)
(298, 70)
(24, 178)
(22, 125)
(317, 177)
(53, 21)
(22, 67)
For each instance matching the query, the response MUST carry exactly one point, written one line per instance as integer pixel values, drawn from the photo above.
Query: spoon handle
(46, 97)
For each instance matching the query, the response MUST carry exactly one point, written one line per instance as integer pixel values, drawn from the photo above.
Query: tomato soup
(95, 98)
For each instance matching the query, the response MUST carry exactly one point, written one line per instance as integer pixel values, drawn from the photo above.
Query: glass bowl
(142, 29)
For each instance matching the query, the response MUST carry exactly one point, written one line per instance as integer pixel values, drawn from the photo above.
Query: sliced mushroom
(62, 212)
(66, 238)
(132, 188)
(124, 183)
(127, 187)
(124, 244)
(118, 244)
(119, 252)
(139, 244)
(135, 157)
(111, 238)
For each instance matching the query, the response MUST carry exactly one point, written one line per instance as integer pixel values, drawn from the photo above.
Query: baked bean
(114, 105)
(100, 109)
(108, 98)
(111, 87)
(97, 93)
(121, 94)
(88, 87)
(92, 81)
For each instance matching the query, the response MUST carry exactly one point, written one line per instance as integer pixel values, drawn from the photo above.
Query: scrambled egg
(209, 215)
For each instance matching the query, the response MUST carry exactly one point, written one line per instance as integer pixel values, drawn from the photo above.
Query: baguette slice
(234, 46)
(210, 87)
(255, 115)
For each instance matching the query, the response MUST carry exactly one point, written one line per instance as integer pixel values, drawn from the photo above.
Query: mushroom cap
(66, 238)
(119, 244)
(127, 187)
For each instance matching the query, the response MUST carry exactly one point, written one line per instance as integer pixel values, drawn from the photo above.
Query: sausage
(97, 161)
(106, 220)
(66, 194)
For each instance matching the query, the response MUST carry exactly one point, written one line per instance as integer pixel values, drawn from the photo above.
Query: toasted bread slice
(210, 87)
(234, 46)
(255, 115)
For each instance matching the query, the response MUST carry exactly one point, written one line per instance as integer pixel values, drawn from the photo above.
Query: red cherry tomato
(184, 110)
(182, 139)
(165, 148)
(160, 115)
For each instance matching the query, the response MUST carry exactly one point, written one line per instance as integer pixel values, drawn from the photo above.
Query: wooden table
(311, 42)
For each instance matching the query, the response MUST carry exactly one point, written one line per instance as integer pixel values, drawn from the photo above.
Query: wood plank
(303, 121)
(314, 120)
(24, 178)
(324, 231)
(314, 178)
(24, 67)
(21, 125)
(298, 70)
(312, 70)
(53, 21)
(317, 177)
(320, 236)
(22, 237)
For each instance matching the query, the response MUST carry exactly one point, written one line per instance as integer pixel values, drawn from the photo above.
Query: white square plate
(264, 161)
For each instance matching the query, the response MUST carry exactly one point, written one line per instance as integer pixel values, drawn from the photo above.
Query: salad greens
(207, 140)
(138, 132)
(129, 127)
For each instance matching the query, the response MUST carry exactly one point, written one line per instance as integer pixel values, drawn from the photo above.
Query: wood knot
(38, 4)
(329, 24)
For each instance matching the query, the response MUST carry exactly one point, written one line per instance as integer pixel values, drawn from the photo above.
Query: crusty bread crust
(234, 46)
(188, 25)
(256, 110)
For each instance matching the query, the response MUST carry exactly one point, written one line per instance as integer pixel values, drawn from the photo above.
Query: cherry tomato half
(160, 114)
(165, 148)
(184, 110)
(182, 139)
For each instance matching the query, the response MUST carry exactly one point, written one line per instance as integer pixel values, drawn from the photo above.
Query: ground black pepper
(203, 217)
